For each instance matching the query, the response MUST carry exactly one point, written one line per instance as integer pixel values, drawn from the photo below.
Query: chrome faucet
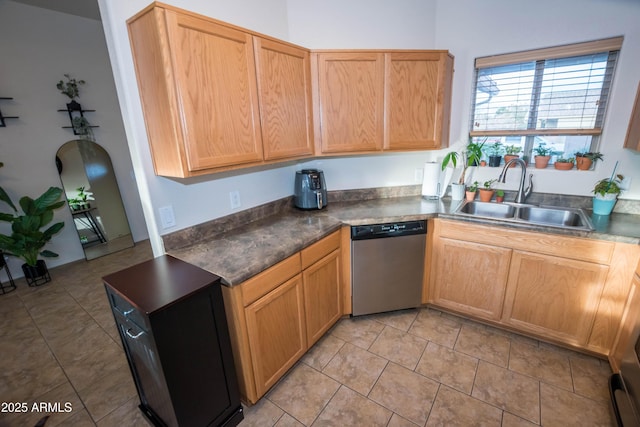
(522, 192)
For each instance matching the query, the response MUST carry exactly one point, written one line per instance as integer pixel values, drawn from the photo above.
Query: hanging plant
(70, 87)
(82, 127)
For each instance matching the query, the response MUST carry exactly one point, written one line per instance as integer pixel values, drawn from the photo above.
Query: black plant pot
(494, 161)
(38, 275)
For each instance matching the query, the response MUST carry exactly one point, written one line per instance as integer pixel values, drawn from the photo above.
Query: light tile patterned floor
(58, 343)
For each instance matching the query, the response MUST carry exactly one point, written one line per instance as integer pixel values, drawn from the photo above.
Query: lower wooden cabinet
(277, 315)
(322, 296)
(277, 336)
(553, 296)
(563, 289)
(470, 277)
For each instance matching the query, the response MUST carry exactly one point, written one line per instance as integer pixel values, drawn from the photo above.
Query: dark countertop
(244, 252)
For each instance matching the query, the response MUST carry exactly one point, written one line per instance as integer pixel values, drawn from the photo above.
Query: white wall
(38, 46)
(465, 27)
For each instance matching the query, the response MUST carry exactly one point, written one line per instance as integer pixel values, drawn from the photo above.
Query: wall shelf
(2, 118)
(75, 111)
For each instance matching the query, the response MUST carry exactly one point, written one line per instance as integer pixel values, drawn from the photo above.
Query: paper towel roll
(431, 180)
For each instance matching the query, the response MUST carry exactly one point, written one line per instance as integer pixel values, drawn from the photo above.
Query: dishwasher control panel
(391, 229)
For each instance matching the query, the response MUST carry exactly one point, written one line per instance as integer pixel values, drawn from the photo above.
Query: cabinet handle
(136, 336)
(128, 312)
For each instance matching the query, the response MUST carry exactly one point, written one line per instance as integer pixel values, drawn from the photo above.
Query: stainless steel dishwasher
(387, 266)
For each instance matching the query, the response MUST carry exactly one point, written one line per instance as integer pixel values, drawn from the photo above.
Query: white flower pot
(457, 191)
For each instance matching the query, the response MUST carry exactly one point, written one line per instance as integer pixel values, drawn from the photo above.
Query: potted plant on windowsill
(471, 191)
(470, 156)
(584, 161)
(563, 163)
(511, 152)
(486, 192)
(499, 196)
(542, 157)
(494, 152)
(27, 237)
(606, 193)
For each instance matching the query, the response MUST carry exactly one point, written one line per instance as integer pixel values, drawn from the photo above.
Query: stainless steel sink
(552, 216)
(490, 210)
(549, 216)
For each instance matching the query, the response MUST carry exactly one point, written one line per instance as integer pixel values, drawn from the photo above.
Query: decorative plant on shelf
(500, 196)
(564, 163)
(511, 151)
(585, 160)
(70, 87)
(494, 152)
(543, 155)
(27, 239)
(471, 190)
(79, 123)
(486, 192)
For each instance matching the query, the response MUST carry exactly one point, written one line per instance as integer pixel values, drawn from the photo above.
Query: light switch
(234, 197)
(167, 218)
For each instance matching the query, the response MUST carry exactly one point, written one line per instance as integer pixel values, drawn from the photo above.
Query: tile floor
(59, 344)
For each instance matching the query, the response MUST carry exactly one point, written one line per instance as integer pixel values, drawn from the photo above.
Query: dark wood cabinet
(171, 319)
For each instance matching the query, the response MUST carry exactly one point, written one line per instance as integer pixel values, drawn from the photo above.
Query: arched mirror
(94, 198)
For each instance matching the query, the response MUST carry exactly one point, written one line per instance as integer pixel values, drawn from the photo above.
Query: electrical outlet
(167, 218)
(234, 197)
(418, 174)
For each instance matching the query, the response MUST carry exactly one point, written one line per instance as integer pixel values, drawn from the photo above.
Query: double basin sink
(549, 216)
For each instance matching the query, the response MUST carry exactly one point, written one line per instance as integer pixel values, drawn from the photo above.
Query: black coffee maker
(310, 190)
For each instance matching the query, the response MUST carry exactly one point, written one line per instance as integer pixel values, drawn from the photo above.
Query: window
(555, 97)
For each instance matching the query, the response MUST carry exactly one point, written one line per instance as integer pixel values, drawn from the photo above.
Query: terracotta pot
(486, 195)
(583, 163)
(542, 161)
(470, 195)
(508, 157)
(483, 163)
(499, 199)
(564, 166)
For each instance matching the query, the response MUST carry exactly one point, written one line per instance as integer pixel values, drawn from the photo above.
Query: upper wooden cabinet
(633, 132)
(218, 97)
(198, 89)
(349, 101)
(368, 101)
(417, 100)
(284, 92)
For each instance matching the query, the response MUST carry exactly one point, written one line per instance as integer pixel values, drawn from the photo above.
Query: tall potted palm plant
(27, 237)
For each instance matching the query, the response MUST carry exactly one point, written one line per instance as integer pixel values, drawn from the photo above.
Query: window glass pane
(570, 92)
(503, 97)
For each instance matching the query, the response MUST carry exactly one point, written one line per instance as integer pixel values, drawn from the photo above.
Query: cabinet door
(322, 295)
(417, 100)
(284, 92)
(469, 277)
(216, 89)
(632, 140)
(628, 331)
(553, 296)
(275, 325)
(351, 103)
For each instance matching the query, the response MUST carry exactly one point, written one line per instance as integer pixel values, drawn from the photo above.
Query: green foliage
(489, 184)
(70, 87)
(594, 156)
(500, 193)
(470, 157)
(473, 187)
(542, 150)
(494, 149)
(512, 150)
(608, 186)
(565, 160)
(27, 238)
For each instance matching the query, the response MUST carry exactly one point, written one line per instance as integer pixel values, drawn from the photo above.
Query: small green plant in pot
(27, 237)
(584, 161)
(543, 155)
(486, 192)
(470, 156)
(471, 191)
(494, 152)
(606, 193)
